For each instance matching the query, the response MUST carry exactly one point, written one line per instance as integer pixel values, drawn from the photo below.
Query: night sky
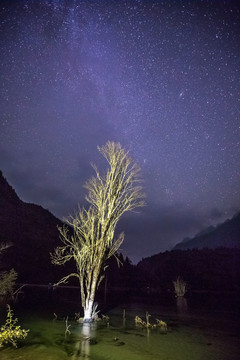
(160, 77)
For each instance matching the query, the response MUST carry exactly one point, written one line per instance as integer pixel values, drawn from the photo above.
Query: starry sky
(160, 77)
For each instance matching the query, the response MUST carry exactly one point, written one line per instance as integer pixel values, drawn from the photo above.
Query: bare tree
(93, 240)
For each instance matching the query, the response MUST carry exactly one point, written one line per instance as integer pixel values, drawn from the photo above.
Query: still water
(198, 329)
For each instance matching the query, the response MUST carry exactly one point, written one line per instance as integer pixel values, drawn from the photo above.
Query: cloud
(159, 228)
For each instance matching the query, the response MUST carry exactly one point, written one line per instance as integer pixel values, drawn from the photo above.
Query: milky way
(161, 77)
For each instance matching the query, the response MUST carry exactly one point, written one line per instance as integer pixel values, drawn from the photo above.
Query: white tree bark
(88, 311)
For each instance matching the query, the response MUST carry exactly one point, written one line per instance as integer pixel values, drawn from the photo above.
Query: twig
(67, 331)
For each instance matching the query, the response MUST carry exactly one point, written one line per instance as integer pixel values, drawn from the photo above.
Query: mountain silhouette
(225, 235)
(32, 232)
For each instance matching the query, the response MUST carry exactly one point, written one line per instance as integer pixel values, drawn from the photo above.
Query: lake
(199, 327)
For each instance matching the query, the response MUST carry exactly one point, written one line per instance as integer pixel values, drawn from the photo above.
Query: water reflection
(124, 318)
(182, 305)
(82, 346)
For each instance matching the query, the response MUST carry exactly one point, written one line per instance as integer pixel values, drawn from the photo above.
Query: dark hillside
(33, 233)
(225, 235)
(206, 269)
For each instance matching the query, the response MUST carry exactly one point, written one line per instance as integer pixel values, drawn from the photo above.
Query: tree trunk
(88, 309)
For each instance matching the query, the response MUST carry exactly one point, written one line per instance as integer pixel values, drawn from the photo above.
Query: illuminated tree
(179, 286)
(93, 240)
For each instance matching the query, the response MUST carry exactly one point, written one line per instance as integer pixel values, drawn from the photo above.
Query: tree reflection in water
(82, 347)
(182, 305)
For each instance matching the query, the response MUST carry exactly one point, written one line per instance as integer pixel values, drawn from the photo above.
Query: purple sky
(160, 77)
